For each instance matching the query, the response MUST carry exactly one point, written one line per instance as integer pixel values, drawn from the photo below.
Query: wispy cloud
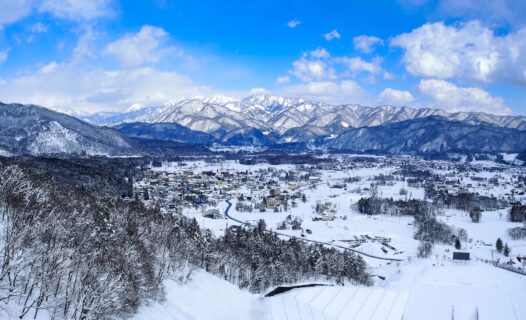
(293, 23)
(77, 9)
(283, 80)
(12, 10)
(145, 46)
(334, 34)
(38, 27)
(366, 44)
(3, 55)
(395, 97)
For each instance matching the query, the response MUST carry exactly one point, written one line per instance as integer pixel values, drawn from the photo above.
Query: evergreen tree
(498, 245)
(507, 250)
(457, 244)
(261, 226)
(517, 212)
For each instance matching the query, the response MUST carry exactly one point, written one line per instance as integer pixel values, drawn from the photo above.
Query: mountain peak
(134, 107)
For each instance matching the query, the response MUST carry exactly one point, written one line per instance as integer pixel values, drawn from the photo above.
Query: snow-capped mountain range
(263, 120)
(290, 119)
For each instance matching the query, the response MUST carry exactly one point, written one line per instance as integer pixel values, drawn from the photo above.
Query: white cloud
(366, 44)
(395, 97)
(14, 10)
(293, 23)
(50, 67)
(313, 66)
(319, 65)
(469, 52)
(140, 48)
(320, 53)
(346, 91)
(283, 79)
(98, 89)
(309, 70)
(388, 75)
(356, 65)
(334, 34)
(451, 97)
(77, 9)
(85, 46)
(3, 55)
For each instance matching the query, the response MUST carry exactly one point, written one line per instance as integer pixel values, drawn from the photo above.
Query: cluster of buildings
(261, 189)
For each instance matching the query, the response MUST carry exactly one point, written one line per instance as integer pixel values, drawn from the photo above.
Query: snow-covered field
(432, 288)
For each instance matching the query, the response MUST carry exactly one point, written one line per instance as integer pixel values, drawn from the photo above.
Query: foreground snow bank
(203, 297)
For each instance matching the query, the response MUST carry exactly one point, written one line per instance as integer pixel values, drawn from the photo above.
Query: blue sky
(93, 55)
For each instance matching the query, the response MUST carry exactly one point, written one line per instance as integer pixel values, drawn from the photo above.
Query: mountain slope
(29, 129)
(165, 132)
(431, 134)
(247, 137)
(199, 115)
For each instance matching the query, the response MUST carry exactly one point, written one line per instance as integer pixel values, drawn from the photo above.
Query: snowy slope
(204, 297)
(28, 129)
(422, 291)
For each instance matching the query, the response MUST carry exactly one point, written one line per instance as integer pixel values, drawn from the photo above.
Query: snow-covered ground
(204, 297)
(424, 289)
(432, 288)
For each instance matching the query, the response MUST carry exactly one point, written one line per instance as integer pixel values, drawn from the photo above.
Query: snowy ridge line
(267, 120)
(309, 240)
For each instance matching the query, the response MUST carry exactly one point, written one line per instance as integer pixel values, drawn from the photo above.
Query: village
(263, 189)
(320, 201)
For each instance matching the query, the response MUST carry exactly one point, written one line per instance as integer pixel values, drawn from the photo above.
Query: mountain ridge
(218, 115)
(432, 134)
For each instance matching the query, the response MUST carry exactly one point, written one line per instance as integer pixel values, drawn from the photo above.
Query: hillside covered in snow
(28, 129)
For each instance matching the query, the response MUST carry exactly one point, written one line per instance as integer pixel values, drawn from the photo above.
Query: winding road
(309, 240)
